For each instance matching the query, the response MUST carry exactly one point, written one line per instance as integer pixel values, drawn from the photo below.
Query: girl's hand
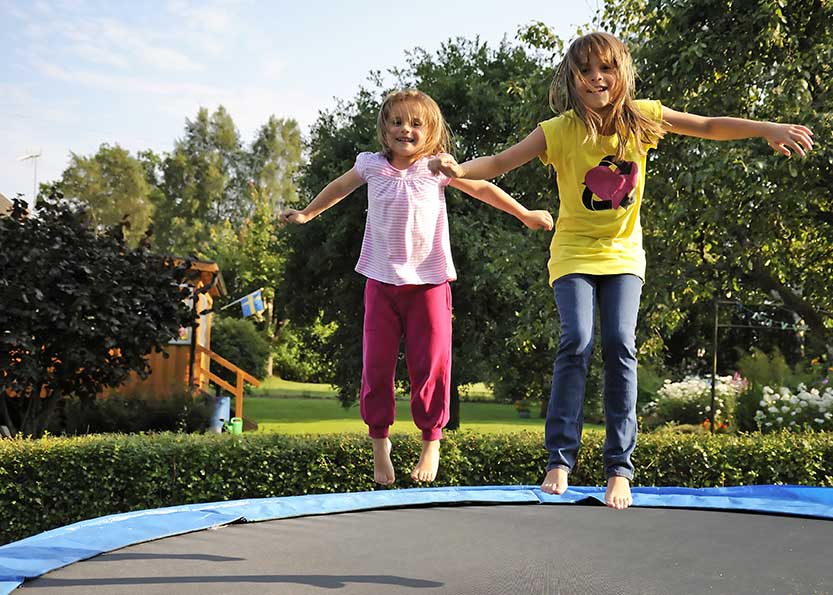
(783, 137)
(446, 164)
(292, 216)
(538, 220)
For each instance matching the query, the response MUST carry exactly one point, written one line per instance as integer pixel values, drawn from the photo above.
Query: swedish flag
(252, 304)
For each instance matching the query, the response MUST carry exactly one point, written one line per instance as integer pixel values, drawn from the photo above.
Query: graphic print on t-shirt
(612, 182)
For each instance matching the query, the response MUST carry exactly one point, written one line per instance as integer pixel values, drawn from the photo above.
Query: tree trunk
(454, 418)
(763, 278)
(271, 335)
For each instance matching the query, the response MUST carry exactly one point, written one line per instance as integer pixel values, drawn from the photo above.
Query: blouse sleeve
(362, 161)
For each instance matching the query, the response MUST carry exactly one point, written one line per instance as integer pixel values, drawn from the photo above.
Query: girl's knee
(575, 343)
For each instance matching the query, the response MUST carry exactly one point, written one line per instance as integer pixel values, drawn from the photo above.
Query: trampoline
(456, 540)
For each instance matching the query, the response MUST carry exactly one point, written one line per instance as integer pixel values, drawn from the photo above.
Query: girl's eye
(416, 123)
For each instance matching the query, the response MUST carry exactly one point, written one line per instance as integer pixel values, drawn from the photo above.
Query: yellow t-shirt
(598, 230)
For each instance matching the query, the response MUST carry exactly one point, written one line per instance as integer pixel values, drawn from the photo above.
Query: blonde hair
(623, 118)
(437, 133)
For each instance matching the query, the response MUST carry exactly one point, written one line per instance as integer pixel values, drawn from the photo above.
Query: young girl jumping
(406, 257)
(598, 147)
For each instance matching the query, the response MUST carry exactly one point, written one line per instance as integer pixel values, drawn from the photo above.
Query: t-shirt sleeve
(652, 108)
(362, 162)
(551, 129)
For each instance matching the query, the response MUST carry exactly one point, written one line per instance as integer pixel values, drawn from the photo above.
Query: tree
(734, 219)
(251, 251)
(115, 187)
(197, 184)
(80, 309)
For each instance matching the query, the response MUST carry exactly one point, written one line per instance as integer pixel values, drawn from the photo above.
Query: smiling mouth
(404, 140)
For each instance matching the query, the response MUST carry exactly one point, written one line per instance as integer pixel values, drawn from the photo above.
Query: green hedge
(52, 482)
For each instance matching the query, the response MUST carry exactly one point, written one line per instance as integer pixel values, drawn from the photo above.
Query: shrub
(768, 370)
(689, 401)
(297, 353)
(762, 369)
(802, 410)
(178, 413)
(239, 341)
(91, 476)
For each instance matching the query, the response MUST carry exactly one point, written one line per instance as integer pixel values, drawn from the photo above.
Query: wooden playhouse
(189, 356)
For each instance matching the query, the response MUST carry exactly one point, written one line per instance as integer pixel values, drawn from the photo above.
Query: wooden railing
(242, 376)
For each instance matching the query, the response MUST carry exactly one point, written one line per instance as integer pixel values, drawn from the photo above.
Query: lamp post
(34, 157)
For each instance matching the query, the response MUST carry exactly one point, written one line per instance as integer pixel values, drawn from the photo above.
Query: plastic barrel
(222, 411)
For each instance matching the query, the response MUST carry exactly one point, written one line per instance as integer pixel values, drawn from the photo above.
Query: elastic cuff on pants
(432, 434)
(378, 431)
(558, 466)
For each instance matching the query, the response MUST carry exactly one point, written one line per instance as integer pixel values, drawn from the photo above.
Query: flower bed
(806, 408)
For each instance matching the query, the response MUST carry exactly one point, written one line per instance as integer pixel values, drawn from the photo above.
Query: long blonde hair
(437, 133)
(623, 118)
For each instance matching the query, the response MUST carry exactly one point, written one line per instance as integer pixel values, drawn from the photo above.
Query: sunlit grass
(327, 416)
(278, 387)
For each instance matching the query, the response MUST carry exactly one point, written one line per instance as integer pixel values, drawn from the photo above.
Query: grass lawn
(278, 387)
(327, 416)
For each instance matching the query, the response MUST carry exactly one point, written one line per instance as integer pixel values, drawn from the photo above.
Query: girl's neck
(403, 161)
(607, 126)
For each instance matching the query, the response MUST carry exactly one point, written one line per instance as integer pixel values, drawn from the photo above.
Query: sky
(80, 73)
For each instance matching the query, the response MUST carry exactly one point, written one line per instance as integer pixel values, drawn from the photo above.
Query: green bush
(178, 413)
(239, 341)
(689, 401)
(771, 370)
(52, 482)
(648, 383)
(296, 355)
(762, 369)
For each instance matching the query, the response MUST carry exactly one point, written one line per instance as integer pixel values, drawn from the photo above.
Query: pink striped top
(406, 238)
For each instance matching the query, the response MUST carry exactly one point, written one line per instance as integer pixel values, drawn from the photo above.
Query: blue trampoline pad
(446, 540)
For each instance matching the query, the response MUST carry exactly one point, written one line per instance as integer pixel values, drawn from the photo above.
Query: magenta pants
(422, 313)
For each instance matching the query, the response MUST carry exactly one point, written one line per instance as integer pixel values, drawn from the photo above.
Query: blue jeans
(618, 299)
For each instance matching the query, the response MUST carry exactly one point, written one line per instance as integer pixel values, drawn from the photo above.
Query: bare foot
(618, 494)
(382, 465)
(555, 482)
(429, 461)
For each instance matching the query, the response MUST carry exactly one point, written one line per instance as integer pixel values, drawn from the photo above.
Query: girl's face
(597, 83)
(405, 133)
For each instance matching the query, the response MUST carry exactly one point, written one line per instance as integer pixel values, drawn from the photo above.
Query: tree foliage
(210, 178)
(115, 187)
(735, 219)
(80, 309)
(239, 341)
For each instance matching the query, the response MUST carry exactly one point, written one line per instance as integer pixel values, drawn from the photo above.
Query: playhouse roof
(205, 272)
(5, 204)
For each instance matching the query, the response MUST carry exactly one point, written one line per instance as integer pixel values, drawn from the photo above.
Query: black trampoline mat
(483, 550)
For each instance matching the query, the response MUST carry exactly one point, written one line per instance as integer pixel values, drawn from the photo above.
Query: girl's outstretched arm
(486, 168)
(494, 196)
(784, 138)
(330, 195)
